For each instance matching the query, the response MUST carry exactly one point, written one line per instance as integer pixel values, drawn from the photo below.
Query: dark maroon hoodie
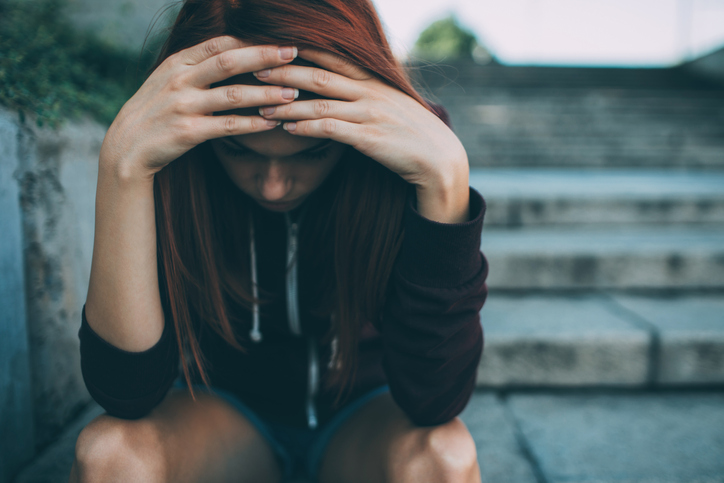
(426, 345)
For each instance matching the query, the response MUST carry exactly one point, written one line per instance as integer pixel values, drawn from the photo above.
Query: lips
(278, 206)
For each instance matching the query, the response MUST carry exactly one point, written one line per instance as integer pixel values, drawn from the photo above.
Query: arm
(430, 324)
(129, 356)
(128, 353)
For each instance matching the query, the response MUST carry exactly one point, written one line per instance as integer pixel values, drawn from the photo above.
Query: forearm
(123, 304)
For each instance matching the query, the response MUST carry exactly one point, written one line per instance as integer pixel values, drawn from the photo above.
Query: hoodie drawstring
(255, 333)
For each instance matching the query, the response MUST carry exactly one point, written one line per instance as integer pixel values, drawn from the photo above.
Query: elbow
(127, 408)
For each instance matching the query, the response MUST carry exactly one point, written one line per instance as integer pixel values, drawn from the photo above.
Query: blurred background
(595, 132)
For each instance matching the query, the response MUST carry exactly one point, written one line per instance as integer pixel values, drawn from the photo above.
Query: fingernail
(289, 93)
(263, 73)
(271, 123)
(266, 111)
(290, 126)
(287, 53)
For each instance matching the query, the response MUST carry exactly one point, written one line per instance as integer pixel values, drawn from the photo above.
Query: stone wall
(47, 191)
(124, 23)
(16, 418)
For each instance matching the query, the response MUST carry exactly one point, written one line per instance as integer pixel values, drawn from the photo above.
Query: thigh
(204, 440)
(359, 451)
(380, 443)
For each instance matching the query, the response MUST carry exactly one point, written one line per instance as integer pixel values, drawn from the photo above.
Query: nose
(274, 181)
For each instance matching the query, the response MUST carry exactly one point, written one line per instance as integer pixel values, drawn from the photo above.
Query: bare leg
(379, 443)
(179, 441)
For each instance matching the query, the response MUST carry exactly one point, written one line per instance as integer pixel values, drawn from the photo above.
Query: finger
(335, 63)
(317, 109)
(239, 61)
(341, 131)
(312, 79)
(205, 50)
(239, 96)
(220, 126)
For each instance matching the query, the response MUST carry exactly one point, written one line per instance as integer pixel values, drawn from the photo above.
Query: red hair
(202, 232)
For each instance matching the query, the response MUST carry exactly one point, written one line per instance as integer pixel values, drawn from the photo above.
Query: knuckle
(321, 78)
(329, 126)
(231, 124)
(176, 83)
(269, 55)
(322, 108)
(214, 46)
(272, 95)
(183, 105)
(256, 123)
(225, 61)
(234, 95)
(282, 73)
(185, 127)
(376, 114)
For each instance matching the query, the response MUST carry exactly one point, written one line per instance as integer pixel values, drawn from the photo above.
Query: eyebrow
(315, 148)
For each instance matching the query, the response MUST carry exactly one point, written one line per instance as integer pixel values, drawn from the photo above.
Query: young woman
(286, 277)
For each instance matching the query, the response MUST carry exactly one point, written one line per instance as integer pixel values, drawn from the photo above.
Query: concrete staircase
(605, 237)
(605, 222)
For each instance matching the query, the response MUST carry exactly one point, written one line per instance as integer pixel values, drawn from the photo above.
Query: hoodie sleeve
(126, 384)
(431, 331)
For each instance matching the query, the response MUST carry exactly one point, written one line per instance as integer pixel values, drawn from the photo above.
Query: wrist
(124, 171)
(445, 197)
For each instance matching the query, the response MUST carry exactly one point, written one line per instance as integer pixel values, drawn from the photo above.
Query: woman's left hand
(375, 118)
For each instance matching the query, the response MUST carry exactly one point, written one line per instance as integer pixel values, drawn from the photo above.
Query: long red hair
(202, 232)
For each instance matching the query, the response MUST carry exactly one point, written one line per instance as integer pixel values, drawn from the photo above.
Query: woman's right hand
(173, 110)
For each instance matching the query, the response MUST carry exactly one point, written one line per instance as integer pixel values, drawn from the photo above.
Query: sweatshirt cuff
(442, 255)
(124, 375)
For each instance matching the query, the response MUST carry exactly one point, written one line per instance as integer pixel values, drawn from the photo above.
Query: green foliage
(445, 39)
(49, 68)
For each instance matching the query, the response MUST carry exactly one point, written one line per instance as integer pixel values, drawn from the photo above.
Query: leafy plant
(445, 38)
(49, 68)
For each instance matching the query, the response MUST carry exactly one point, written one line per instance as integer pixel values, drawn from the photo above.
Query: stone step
(592, 161)
(601, 340)
(634, 257)
(625, 141)
(537, 197)
(587, 101)
(609, 101)
(451, 73)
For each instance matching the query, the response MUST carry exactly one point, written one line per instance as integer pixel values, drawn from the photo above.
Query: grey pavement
(539, 437)
(644, 437)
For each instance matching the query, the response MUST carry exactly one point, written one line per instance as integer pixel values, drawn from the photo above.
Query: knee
(115, 449)
(443, 453)
(453, 449)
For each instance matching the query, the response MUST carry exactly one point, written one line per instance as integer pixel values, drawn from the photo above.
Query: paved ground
(556, 437)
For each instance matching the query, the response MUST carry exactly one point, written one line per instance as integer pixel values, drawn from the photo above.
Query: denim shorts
(300, 450)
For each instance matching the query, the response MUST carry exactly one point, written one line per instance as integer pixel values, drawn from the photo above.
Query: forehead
(276, 143)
